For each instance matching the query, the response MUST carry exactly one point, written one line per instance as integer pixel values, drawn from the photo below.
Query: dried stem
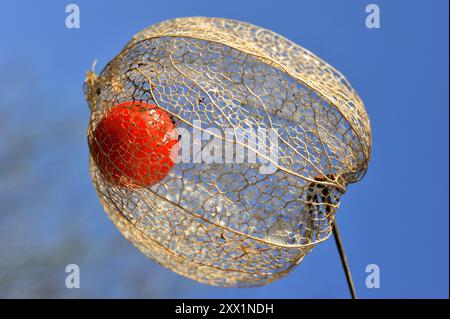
(344, 260)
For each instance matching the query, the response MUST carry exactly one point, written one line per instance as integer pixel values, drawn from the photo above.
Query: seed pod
(231, 224)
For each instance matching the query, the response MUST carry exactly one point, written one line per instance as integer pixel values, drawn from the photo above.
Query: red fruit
(132, 144)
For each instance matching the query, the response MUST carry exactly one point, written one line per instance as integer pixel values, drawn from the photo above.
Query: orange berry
(133, 143)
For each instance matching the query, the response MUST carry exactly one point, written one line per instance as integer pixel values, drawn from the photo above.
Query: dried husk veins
(226, 224)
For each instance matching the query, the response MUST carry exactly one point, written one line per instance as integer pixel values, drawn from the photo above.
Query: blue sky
(396, 217)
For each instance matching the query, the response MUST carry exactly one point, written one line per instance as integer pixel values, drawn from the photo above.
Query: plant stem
(348, 274)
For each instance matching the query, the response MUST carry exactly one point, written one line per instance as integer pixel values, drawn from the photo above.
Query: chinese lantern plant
(220, 224)
(132, 144)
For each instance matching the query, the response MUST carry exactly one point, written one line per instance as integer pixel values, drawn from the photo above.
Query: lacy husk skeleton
(228, 224)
